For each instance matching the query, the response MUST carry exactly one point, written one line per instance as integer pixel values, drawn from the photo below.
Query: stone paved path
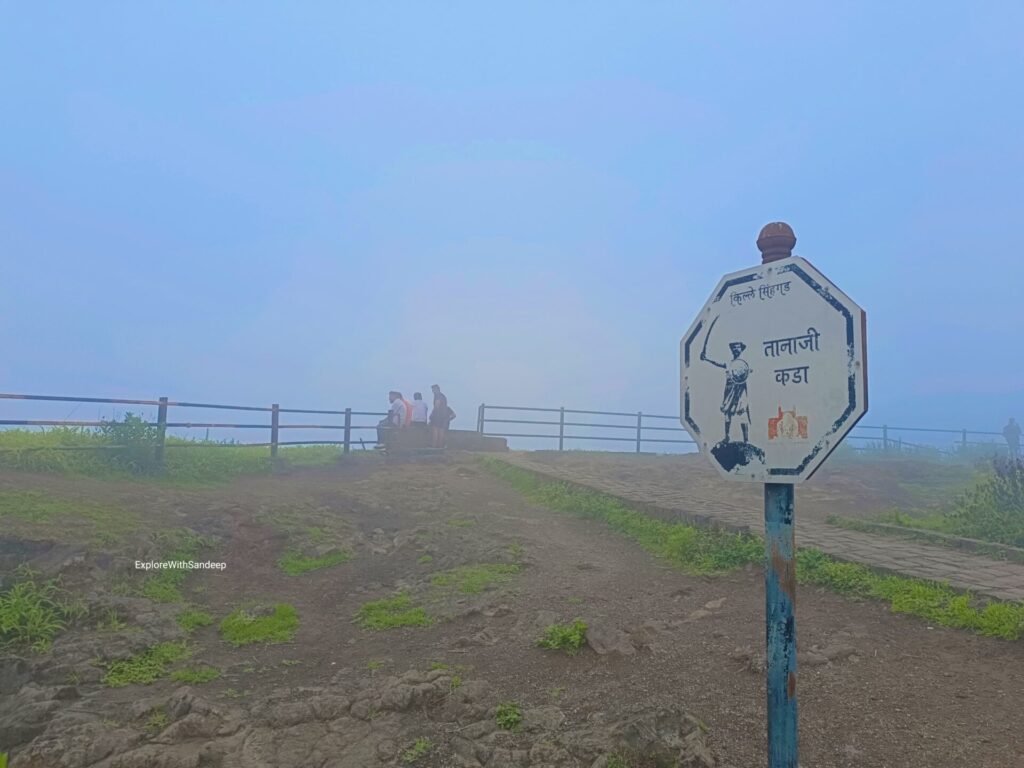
(694, 501)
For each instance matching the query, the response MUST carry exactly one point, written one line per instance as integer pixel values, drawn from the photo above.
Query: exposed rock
(543, 719)
(352, 725)
(604, 640)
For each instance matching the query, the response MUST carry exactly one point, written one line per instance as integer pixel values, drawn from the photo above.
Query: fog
(528, 207)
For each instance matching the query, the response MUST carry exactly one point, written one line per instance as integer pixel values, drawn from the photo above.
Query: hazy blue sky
(528, 203)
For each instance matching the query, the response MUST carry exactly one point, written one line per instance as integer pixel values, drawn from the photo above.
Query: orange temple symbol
(787, 424)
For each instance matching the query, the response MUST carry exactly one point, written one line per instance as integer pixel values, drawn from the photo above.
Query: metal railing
(162, 424)
(640, 430)
(563, 425)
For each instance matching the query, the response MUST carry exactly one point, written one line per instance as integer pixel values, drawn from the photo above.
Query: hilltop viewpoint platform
(417, 439)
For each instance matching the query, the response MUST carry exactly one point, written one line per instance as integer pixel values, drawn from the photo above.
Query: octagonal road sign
(773, 372)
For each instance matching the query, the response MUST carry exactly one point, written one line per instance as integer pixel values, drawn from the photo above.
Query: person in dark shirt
(440, 417)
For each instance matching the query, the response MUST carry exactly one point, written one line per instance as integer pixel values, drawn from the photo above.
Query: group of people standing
(413, 414)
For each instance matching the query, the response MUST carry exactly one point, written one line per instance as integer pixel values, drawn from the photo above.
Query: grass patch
(425, 559)
(461, 522)
(193, 618)
(509, 716)
(39, 515)
(250, 624)
(937, 603)
(421, 748)
(185, 461)
(295, 563)
(111, 622)
(34, 612)
(693, 550)
(392, 612)
(164, 586)
(146, 667)
(310, 529)
(473, 579)
(158, 720)
(195, 675)
(565, 637)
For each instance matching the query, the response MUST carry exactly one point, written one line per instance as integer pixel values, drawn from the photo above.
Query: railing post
(885, 437)
(963, 442)
(348, 429)
(561, 428)
(480, 418)
(273, 429)
(639, 427)
(161, 432)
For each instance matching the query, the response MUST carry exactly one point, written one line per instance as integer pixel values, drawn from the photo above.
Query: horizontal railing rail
(162, 424)
(889, 437)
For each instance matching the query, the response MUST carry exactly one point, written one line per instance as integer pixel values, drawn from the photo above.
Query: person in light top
(398, 416)
(419, 410)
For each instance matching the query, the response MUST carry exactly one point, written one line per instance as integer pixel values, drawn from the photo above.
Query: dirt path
(686, 487)
(876, 689)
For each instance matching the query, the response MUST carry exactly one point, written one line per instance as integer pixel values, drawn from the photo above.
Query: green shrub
(567, 637)
(421, 748)
(993, 509)
(247, 625)
(509, 716)
(132, 443)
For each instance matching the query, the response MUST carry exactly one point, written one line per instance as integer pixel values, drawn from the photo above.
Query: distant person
(1012, 434)
(419, 410)
(397, 417)
(440, 417)
(407, 416)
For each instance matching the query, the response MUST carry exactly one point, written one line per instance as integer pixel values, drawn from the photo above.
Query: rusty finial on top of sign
(776, 241)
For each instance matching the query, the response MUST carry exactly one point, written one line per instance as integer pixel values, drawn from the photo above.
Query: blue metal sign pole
(776, 242)
(780, 624)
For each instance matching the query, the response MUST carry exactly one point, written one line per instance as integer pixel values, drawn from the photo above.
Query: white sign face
(773, 372)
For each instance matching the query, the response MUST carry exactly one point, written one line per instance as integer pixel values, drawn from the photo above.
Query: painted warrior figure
(734, 400)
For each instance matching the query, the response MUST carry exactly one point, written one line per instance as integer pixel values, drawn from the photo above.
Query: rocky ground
(672, 672)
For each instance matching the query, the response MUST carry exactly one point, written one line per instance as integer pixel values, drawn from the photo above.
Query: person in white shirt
(419, 410)
(395, 419)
